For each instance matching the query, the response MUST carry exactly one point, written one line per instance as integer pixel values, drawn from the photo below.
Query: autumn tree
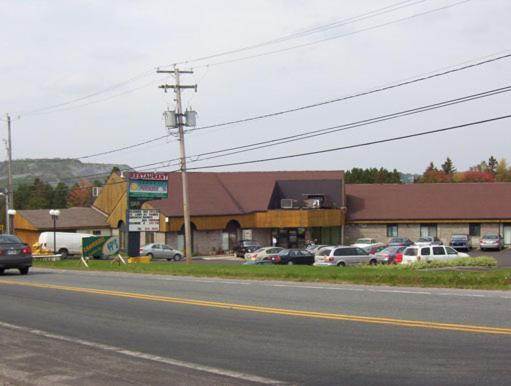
(502, 173)
(80, 194)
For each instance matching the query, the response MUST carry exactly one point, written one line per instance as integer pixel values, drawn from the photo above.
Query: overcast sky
(59, 53)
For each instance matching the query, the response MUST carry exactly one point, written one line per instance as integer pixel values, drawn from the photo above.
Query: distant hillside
(55, 170)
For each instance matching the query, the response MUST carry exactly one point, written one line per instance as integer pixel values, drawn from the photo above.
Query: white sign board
(144, 220)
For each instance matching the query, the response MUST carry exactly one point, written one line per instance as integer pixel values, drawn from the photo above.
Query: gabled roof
(71, 218)
(453, 201)
(231, 193)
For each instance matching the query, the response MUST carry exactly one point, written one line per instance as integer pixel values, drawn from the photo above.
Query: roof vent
(312, 203)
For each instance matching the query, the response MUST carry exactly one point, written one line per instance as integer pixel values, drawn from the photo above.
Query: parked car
(428, 253)
(342, 256)
(428, 240)
(461, 242)
(388, 255)
(399, 241)
(245, 246)
(365, 242)
(375, 248)
(313, 248)
(14, 254)
(491, 241)
(293, 256)
(261, 253)
(161, 251)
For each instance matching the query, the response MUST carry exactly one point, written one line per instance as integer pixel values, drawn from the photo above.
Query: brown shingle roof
(71, 218)
(230, 193)
(479, 201)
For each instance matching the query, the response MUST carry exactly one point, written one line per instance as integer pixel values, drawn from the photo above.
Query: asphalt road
(65, 327)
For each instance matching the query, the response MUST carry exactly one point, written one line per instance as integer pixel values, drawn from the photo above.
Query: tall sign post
(143, 187)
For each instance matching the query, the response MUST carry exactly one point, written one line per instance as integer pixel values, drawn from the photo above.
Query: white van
(427, 253)
(67, 243)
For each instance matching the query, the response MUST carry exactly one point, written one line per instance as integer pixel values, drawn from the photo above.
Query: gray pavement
(295, 349)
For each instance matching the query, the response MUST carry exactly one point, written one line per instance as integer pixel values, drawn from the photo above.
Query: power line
(300, 34)
(347, 126)
(373, 13)
(88, 96)
(352, 96)
(423, 133)
(278, 51)
(412, 80)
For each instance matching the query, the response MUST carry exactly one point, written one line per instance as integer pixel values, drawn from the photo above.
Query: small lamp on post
(54, 213)
(11, 213)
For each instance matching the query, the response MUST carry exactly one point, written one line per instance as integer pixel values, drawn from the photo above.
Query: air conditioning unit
(287, 203)
(312, 203)
(96, 190)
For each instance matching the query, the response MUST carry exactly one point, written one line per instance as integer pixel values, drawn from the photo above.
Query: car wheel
(341, 264)
(177, 257)
(150, 255)
(373, 262)
(1, 271)
(290, 262)
(63, 253)
(24, 270)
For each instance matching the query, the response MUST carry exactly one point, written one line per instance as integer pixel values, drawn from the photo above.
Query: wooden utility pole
(10, 191)
(180, 126)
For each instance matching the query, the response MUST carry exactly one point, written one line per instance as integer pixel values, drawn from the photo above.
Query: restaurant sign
(148, 186)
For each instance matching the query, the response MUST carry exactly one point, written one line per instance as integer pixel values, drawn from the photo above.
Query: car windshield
(491, 237)
(9, 239)
(424, 239)
(459, 237)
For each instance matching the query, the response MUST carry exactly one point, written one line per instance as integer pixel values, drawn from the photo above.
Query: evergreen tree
(492, 165)
(448, 166)
(501, 172)
(60, 194)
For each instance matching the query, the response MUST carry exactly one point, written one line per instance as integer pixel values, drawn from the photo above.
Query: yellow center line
(273, 310)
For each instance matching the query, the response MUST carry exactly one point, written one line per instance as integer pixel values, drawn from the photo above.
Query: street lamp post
(10, 215)
(54, 213)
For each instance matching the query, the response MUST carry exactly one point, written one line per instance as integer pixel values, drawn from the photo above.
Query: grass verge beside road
(499, 279)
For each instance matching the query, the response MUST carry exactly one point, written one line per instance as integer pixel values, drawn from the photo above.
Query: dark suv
(245, 246)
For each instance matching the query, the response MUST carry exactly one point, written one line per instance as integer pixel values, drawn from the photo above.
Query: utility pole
(9, 163)
(179, 123)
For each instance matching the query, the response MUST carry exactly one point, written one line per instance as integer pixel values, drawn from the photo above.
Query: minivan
(342, 256)
(430, 253)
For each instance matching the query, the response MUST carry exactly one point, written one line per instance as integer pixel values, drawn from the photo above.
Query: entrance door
(507, 234)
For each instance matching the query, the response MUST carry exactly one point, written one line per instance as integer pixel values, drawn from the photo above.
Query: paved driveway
(503, 257)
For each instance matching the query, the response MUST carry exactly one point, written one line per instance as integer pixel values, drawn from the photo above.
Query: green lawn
(481, 278)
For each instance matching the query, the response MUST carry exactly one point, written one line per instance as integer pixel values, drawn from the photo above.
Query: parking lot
(503, 258)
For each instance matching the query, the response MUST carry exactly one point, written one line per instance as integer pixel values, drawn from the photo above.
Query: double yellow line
(271, 310)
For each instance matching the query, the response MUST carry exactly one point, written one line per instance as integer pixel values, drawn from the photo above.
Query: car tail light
(276, 259)
(329, 259)
(398, 258)
(26, 250)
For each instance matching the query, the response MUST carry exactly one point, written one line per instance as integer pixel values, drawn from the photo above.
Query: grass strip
(409, 276)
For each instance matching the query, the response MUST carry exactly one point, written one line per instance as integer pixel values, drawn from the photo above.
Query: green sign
(99, 246)
(148, 189)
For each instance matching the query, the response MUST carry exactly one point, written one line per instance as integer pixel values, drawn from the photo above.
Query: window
(96, 233)
(425, 252)
(428, 230)
(474, 229)
(451, 251)
(438, 251)
(149, 237)
(392, 230)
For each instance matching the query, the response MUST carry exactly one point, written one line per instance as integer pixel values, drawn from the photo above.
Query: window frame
(471, 231)
(390, 228)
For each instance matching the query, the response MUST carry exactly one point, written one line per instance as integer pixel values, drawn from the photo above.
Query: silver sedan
(161, 251)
